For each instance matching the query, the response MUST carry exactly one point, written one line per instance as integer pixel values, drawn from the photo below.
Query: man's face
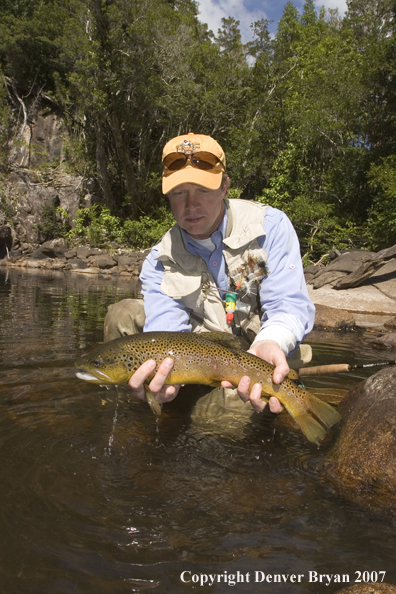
(197, 210)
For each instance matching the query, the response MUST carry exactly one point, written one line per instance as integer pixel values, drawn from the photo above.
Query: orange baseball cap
(189, 144)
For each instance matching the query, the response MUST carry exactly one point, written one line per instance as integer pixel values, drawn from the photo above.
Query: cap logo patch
(187, 147)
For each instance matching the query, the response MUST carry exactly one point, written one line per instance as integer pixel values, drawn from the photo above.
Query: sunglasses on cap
(201, 160)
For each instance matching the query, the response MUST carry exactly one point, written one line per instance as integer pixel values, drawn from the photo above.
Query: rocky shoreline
(371, 304)
(55, 255)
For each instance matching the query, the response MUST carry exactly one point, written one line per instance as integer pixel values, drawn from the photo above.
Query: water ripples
(99, 496)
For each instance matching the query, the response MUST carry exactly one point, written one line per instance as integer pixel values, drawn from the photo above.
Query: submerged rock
(388, 342)
(329, 318)
(361, 465)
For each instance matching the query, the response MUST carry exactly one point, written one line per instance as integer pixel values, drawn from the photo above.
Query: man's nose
(191, 201)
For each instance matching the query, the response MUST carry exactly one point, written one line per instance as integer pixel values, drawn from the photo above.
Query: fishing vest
(187, 278)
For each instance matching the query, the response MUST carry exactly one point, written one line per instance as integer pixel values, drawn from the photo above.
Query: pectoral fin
(153, 403)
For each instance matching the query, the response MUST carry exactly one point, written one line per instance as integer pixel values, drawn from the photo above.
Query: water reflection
(99, 496)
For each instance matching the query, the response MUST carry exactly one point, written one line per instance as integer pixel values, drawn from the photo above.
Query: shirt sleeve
(288, 312)
(162, 312)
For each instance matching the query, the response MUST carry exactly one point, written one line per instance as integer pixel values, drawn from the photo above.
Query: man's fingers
(141, 374)
(280, 373)
(159, 379)
(255, 398)
(275, 405)
(243, 388)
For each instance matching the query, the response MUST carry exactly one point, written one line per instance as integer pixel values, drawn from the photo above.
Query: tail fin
(324, 413)
(310, 427)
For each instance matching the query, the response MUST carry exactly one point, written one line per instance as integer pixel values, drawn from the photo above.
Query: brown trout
(208, 359)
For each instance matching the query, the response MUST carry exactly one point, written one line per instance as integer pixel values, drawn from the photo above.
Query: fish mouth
(88, 377)
(98, 377)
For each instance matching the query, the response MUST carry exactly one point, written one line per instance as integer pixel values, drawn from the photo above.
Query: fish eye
(97, 362)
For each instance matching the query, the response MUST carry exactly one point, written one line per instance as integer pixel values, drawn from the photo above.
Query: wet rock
(361, 465)
(127, 261)
(102, 261)
(56, 264)
(38, 255)
(329, 318)
(55, 248)
(70, 254)
(386, 342)
(371, 588)
(31, 263)
(88, 270)
(76, 263)
(85, 251)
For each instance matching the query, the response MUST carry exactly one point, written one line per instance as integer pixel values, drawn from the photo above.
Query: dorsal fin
(226, 339)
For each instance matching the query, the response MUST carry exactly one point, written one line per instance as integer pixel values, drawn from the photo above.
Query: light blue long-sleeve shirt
(288, 313)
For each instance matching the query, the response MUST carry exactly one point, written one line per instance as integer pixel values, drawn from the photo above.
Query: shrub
(96, 225)
(147, 231)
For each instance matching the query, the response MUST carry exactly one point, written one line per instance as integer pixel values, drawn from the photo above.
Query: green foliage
(307, 118)
(320, 220)
(98, 227)
(381, 224)
(54, 222)
(95, 225)
(147, 231)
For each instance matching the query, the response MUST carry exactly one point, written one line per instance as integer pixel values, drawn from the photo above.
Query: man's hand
(270, 351)
(161, 392)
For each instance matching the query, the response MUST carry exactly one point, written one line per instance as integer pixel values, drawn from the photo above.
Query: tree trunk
(125, 160)
(101, 164)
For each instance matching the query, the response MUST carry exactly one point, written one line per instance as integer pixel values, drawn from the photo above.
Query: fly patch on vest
(248, 272)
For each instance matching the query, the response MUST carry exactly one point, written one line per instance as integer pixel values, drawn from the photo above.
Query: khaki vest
(188, 279)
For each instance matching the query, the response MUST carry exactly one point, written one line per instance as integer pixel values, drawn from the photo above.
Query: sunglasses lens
(175, 161)
(205, 161)
(202, 160)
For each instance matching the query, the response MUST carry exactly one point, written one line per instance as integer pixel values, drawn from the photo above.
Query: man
(233, 253)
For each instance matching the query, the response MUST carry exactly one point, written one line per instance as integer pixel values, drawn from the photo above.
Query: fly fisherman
(228, 264)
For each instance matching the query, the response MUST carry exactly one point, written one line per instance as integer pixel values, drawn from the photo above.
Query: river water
(98, 496)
